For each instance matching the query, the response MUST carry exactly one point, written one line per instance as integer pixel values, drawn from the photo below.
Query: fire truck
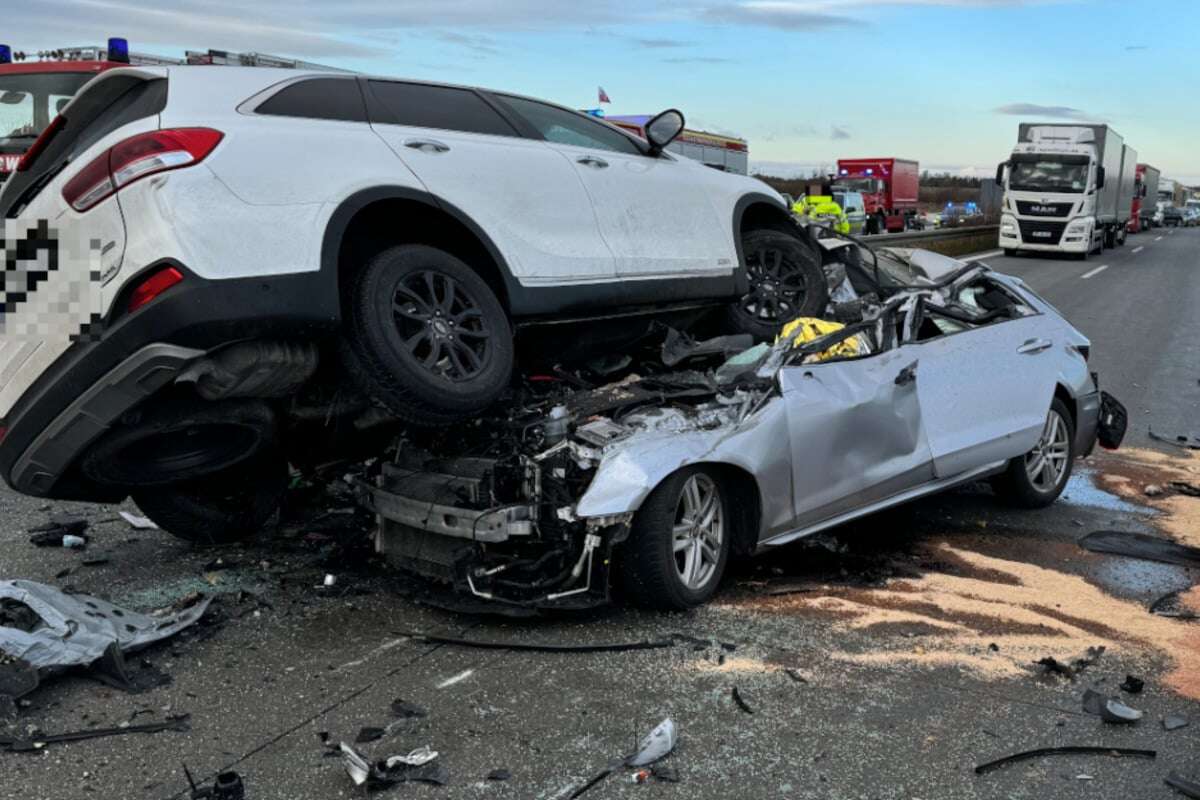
(35, 86)
(890, 188)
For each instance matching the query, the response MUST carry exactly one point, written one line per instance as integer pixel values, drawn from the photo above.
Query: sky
(806, 82)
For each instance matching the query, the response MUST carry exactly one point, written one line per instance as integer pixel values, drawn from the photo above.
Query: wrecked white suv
(925, 373)
(268, 265)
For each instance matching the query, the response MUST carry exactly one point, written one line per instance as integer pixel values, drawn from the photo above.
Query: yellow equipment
(823, 209)
(812, 329)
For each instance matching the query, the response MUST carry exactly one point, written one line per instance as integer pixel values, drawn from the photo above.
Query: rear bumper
(99, 379)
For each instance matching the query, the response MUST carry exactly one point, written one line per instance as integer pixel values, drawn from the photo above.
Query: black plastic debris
(417, 767)
(678, 347)
(1185, 786)
(1183, 487)
(406, 710)
(17, 679)
(1186, 442)
(1140, 545)
(1173, 722)
(366, 735)
(728, 647)
(1076, 666)
(226, 786)
(50, 534)
(1132, 685)
(114, 670)
(499, 775)
(540, 648)
(741, 701)
(665, 774)
(1109, 709)
(17, 744)
(1115, 752)
(1169, 606)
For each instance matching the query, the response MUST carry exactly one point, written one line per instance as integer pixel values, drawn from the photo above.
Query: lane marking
(981, 256)
(1158, 239)
(462, 676)
(1095, 271)
(1138, 249)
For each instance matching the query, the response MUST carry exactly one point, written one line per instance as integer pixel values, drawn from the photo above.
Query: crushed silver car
(925, 372)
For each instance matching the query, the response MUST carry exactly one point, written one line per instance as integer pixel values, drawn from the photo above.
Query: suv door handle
(427, 145)
(1033, 346)
(592, 161)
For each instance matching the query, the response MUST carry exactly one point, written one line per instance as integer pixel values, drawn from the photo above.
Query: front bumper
(103, 376)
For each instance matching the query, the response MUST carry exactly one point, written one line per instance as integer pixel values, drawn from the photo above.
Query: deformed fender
(630, 471)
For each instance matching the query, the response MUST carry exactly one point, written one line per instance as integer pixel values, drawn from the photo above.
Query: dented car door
(856, 433)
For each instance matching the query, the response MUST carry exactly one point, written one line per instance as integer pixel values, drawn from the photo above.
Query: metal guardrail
(940, 235)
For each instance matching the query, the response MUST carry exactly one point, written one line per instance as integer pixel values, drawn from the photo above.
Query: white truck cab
(1067, 189)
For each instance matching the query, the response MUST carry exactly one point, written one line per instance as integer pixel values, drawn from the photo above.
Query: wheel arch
(366, 222)
(755, 210)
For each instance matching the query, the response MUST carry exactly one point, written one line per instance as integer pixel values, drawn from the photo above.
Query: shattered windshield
(1049, 174)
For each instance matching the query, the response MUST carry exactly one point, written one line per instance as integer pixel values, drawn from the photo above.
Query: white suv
(259, 236)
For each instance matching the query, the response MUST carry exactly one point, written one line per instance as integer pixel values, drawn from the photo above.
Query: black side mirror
(1000, 172)
(1099, 177)
(663, 129)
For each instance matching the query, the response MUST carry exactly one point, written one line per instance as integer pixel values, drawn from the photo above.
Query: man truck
(890, 188)
(1067, 189)
(1145, 194)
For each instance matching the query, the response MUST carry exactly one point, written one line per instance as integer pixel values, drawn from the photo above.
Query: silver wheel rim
(698, 533)
(1046, 464)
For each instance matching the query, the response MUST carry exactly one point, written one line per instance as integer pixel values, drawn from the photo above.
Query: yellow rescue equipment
(823, 209)
(812, 329)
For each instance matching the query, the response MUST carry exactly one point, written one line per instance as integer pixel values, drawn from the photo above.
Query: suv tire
(426, 336)
(786, 281)
(1018, 486)
(222, 508)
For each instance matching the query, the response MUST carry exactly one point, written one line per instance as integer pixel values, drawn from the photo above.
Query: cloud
(1035, 110)
(698, 60)
(660, 44)
(772, 14)
(482, 45)
(1137, 47)
(838, 133)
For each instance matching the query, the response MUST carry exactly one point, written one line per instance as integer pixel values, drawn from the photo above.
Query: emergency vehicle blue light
(118, 50)
(845, 172)
(5, 54)
(870, 172)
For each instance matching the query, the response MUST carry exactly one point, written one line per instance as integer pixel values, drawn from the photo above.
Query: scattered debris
(407, 710)
(416, 758)
(654, 746)
(1152, 490)
(1186, 442)
(329, 582)
(74, 542)
(1078, 665)
(95, 561)
(16, 744)
(1140, 545)
(499, 775)
(640, 776)
(795, 676)
(665, 774)
(1132, 685)
(1174, 722)
(52, 533)
(366, 735)
(741, 701)
(1109, 709)
(459, 678)
(1115, 752)
(138, 522)
(1185, 786)
(226, 786)
(1168, 606)
(395, 770)
(541, 648)
(52, 630)
(1183, 487)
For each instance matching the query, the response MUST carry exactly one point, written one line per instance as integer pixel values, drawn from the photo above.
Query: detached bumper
(1100, 418)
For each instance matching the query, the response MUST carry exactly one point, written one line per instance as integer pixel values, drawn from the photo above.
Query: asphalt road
(882, 663)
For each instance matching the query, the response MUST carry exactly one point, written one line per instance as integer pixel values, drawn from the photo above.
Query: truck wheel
(1122, 233)
(222, 508)
(426, 336)
(1036, 479)
(1010, 252)
(679, 545)
(786, 281)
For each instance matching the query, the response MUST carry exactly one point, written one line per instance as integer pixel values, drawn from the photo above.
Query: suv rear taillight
(135, 158)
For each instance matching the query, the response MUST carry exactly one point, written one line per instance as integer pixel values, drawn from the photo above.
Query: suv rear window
(318, 98)
(441, 107)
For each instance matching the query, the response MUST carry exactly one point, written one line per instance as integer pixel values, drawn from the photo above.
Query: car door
(856, 433)
(524, 195)
(654, 211)
(985, 391)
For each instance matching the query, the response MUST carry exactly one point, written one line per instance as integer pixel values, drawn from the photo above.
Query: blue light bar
(118, 50)
(5, 54)
(870, 171)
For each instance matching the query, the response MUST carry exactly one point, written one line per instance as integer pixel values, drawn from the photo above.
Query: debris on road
(499, 775)
(656, 745)
(1115, 752)
(741, 701)
(1132, 685)
(1109, 709)
(226, 786)
(1184, 487)
(406, 710)
(1185, 442)
(53, 631)
(540, 648)
(1071, 670)
(61, 529)
(1174, 722)
(72, 542)
(394, 770)
(138, 522)
(1185, 786)
(1140, 545)
(30, 743)
(416, 758)
(1169, 606)
(1152, 490)
(366, 735)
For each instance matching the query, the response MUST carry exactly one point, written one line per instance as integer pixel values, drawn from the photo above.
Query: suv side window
(444, 107)
(561, 126)
(318, 98)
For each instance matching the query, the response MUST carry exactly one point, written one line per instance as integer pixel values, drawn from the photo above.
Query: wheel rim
(778, 285)
(1046, 464)
(187, 450)
(441, 326)
(699, 532)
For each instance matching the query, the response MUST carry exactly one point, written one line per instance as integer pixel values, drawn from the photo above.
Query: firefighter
(823, 210)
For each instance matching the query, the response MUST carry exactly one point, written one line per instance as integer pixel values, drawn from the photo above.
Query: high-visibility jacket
(823, 208)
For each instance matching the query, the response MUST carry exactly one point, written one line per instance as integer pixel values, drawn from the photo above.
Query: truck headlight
(1079, 225)
(1008, 227)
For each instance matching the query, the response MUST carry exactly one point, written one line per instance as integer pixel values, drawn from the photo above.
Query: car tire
(426, 336)
(1016, 484)
(1010, 252)
(652, 571)
(786, 281)
(219, 509)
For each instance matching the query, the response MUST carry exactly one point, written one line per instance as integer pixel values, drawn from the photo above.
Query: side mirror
(1000, 172)
(1099, 177)
(663, 129)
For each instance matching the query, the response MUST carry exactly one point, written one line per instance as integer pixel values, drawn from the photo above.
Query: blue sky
(805, 81)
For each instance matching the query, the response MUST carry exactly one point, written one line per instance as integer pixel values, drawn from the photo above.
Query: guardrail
(947, 241)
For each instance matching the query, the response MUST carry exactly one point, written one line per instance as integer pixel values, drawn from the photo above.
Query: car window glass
(443, 107)
(561, 126)
(318, 98)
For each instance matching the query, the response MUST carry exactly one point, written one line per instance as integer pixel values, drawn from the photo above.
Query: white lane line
(462, 676)
(981, 256)
(1095, 271)
(1158, 238)
(1138, 249)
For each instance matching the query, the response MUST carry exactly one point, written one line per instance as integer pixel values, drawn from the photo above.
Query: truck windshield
(1049, 175)
(863, 185)
(28, 101)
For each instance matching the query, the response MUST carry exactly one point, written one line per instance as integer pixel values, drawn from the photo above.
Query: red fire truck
(1145, 197)
(890, 188)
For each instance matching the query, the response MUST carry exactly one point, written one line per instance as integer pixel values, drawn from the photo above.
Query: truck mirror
(1000, 172)
(1099, 177)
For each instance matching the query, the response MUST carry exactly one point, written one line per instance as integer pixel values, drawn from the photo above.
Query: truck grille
(1037, 232)
(1027, 208)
